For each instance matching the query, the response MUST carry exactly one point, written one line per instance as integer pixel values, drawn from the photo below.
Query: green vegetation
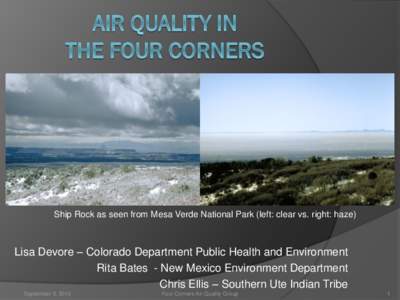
(128, 168)
(63, 186)
(102, 184)
(314, 181)
(90, 173)
(184, 188)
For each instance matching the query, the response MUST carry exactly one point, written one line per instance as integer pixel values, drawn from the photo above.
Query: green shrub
(29, 180)
(322, 175)
(128, 168)
(90, 173)
(183, 188)
(262, 199)
(63, 186)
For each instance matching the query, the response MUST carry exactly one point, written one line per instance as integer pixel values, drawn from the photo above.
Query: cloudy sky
(157, 112)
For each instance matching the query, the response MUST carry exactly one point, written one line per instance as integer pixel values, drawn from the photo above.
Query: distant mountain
(88, 155)
(154, 146)
(377, 130)
(295, 132)
(118, 145)
(167, 147)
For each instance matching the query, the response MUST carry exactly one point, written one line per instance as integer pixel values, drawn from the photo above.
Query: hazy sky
(296, 102)
(74, 110)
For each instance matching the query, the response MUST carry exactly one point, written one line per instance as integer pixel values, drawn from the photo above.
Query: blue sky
(296, 102)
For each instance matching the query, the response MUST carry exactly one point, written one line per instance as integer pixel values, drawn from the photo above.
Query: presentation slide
(192, 149)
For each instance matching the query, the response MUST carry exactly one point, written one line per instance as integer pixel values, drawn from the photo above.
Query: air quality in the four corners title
(141, 25)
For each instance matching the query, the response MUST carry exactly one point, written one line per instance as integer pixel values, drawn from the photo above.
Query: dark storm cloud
(102, 105)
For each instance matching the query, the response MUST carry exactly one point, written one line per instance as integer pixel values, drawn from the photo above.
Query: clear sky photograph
(102, 139)
(244, 103)
(147, 112)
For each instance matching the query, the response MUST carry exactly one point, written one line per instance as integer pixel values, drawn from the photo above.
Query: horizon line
(297, 131)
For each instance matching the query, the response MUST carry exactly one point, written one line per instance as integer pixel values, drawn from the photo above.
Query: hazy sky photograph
(245, 103)
(150, 112)
(297, 139)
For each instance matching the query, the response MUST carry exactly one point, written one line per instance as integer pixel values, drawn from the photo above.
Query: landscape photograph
(102, 139)
(297, 139)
